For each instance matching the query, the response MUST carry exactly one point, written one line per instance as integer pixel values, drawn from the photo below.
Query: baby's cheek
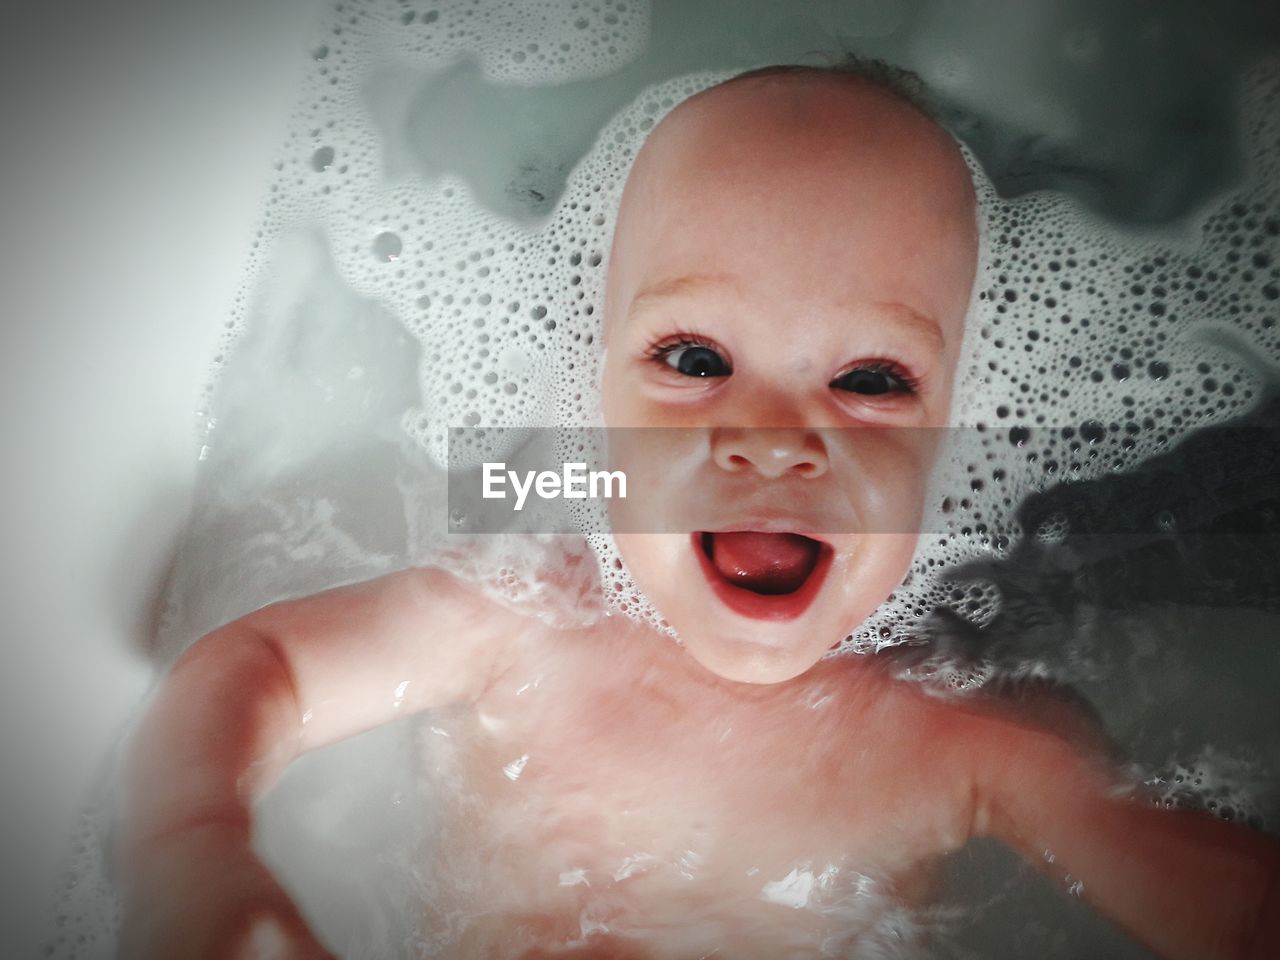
(612, 400)
(623, 399)
(878, 566)
(650, 558)
(883, 472)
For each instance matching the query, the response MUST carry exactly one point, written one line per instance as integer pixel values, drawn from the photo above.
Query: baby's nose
(772, 452)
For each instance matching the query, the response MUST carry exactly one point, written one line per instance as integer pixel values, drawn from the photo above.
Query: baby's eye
(875, 379)
(694, 360)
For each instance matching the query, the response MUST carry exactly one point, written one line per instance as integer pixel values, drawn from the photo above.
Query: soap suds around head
(1087, 349)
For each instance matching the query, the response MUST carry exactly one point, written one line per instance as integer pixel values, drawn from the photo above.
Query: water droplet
(516, 767)
(1092, 431)
(386, 247)
(322, 159)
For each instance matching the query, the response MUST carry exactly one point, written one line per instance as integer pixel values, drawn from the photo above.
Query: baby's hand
(1185, 884)
(202, 894)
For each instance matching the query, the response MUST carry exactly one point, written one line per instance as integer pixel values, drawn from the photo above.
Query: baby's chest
(572, 776)
(623, 798)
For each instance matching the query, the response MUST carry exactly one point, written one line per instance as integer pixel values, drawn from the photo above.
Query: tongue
(763, 562)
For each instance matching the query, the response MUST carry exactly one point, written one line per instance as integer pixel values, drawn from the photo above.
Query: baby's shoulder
(1029, 710)
(552, 579)
(462, 605)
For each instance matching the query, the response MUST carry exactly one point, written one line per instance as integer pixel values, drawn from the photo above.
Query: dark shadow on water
(1196, 527)
(1015, 912)
(1160, 606)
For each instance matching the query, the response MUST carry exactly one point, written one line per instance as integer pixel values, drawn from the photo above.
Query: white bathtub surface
(137, 141)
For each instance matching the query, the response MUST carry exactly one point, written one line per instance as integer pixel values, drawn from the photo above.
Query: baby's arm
(239, 706)
(1189, 886)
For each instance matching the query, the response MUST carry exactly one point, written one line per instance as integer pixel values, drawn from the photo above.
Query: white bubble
(322, 159)
(386, 247)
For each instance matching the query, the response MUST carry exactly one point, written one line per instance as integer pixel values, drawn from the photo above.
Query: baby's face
(790, 274)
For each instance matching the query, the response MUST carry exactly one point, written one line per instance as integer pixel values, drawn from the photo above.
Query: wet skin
(619, 787)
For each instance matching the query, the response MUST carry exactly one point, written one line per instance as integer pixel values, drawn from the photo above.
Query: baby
(794, 254)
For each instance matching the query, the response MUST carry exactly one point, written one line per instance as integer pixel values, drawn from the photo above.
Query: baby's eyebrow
(908, 319)
(679, 287)
(914, 322)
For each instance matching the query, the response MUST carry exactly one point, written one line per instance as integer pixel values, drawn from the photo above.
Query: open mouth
(765, 576)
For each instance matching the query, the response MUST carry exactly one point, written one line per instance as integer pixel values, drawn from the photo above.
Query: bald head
(809, 169)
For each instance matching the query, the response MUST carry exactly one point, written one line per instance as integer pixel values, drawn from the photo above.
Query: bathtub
(132, 174)
(130, 200)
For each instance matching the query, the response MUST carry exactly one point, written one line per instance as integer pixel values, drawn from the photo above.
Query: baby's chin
(762, 660)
